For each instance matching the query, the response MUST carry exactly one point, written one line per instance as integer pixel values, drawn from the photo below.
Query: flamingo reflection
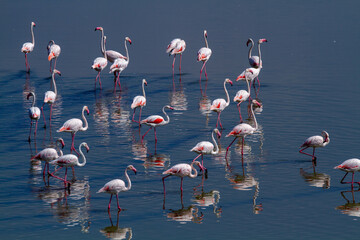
(115, 232)
(184, 215)
(316, 179)
(178, 98)
(351, 207)
(206, 199)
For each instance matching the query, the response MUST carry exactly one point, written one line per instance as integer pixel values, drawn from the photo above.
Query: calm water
(309, 83)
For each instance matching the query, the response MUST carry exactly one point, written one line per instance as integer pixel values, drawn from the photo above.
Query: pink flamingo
(351, 165)
(250, 74)
(155, 120)
(120, 64)
(206, 147)
(116, 186)
(314, 142)
(74, 125)
(218, 105)
(255, 61)
(176, 46)
(204, 55)
(50, 96)
(139, 101)
(34, 114)
(48, 154)
(242, 96)
(181, 170)
(111, 55)
(99, 64)
(29, 47)
(54, 51)
(243, 129)
(69, 160)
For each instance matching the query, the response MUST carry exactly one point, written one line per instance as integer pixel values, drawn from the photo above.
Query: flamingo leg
(51, 107)
(110, 201)
(202, 70)
(181, 185)
(173, 65)
(35, 129)
(140, 117)
(31, 122)
(117, 198)
(242, 146)
(27, 63)
(180, 64)
(202, 168)
(163, 179)
(227, 149)
(44, 169)
(220, 120)
(50, 65)
(238, 106)
(145, 134)
(155, 134)
(42, 110)
(55, 63)
(313, 155)
(205, 74)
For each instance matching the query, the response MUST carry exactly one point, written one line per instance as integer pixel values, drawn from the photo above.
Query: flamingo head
(57, 72)
(197, 163)
(128, 39)
(145, 82)
(51, 56)
(87, 147)
(86, 109)
(169, 107)
(249, 41)
(229, 81)
(254, 101)
(205, 33)
(131, 167)
(33, 24)
(62, 142)
(326, 136)
(261, 40)
(29, 95)
(218, 133)
(99, 28)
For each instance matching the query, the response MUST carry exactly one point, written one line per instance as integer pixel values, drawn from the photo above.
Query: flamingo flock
(120, 62)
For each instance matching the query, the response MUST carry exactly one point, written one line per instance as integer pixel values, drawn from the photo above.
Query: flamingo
(218, 105)
(351, 165)
(34, 114)
(204, 55)
(110, 54)
(155, 120)
(120, 64)
(139, 101)
(206, 147)
(242, 96)
(99, 64)
(54, 51)
(69, 160)
(176, 46)
(181, 170)
(250, 74)
(255, 61)
(243, 129)
(116, 186)
(49, 154)
(314, 142)
(29, 46)
(50, 96)
(74, 125)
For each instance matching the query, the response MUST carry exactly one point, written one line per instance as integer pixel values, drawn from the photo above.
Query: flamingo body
(154, 121)
(54, 50)
(315, 142)
(218, 105)
(351, 165)
(34, 114)
(204, 54)
(120, 64)
(139, 101)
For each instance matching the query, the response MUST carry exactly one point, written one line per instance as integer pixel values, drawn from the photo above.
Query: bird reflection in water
(178, 98)
(115, 232)
(121, 117)
(315, 179)
(101, 116)
(185, 215)
(204, 108)
(206, 199)
(351, 207)
(242, 182)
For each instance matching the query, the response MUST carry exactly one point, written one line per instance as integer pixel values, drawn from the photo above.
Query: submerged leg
(227, 149)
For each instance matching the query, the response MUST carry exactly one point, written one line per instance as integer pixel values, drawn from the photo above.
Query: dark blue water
(309, 83)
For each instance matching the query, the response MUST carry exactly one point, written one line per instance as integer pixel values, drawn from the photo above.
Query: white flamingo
(29, 46)
(99, 64)
(110, 54)
(34, 114)
(255, 61)
(204, 55)
(176, 46)
(218, 105)
(139, 101)
(242, 95)
(315, 142)
(54, 51)
(50, 96)
(351, 165)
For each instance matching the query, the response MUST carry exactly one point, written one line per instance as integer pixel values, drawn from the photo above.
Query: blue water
(309, 83)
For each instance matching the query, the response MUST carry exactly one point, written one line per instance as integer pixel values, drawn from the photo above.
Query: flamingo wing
(138, 101)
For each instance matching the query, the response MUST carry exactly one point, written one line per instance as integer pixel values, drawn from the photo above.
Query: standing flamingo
(48, 154)
(139, 101)
(243, 129)
(206, 147)
(99, 64)
(110, 54)
(250, 74)
(242, 95)
(314, 142)
(155, 120)
(34, 114)
(74, 125)
(204, 55)
(29, 46)
(120, 64)
(176, 46)
(50, 96)
(54, 51)
(181, 170)
(351, 165)
(255, 61)
(69, 160)
(218, 105)
(116, 186)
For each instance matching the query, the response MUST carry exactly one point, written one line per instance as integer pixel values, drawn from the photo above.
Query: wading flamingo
(250, 74)
(204, 55)
(99, 64)
(29, 46)
(255, 61)
(116, 186)
(155, 120)
(120, 64)
(176, 46)
(351, 165)
(34, 114)
(69, 160)
(139, 101)
(50, 97)
(314, 142)
(181, 170)
(74, 125)
(110, 54)
(48, 154)
(242, 95)
(218, 105)
(206, 147)
(243, 129)
(54, 51)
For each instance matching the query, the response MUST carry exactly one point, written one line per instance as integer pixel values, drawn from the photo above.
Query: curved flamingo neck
(53, 81)
(84, 118)
(32, 34)
(104, 50)
(127, 52)
(82, 155)
(253, 115)
(215, 143)
(195, 172)
(251, 47)
(143, 88)
(102, 42)
(248, 85)
(167, 116)
(34, 99)
(227, 94)
(58, 148)
(128, 180)
(206, 43)
(259, 52)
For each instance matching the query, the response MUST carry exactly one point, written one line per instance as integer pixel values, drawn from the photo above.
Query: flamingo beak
(87, 111)
(87, 148)
(219, 134)
(240, 77)
(247, 43)
(231, 83)
(51, 56)
(134, 169)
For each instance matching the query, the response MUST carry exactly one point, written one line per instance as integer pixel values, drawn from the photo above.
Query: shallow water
(308, 84)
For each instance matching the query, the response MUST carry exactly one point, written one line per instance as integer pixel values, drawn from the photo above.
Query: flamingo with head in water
(218, 105)
(29, 46)
(50, 96)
